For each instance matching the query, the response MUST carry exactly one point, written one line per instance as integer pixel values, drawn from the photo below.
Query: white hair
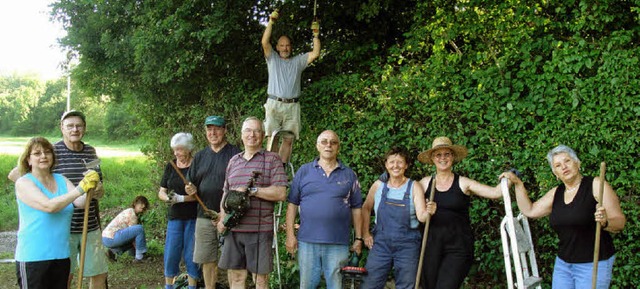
(562, 149)
(182, 139)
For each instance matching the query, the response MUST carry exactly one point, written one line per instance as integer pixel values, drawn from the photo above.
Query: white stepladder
(517, 246)
(273, 146)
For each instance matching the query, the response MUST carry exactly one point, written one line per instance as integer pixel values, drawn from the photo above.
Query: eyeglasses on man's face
(325, 142)
(251, 131)
(71, 127)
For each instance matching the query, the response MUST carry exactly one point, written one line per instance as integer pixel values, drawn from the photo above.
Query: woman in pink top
(124, 229)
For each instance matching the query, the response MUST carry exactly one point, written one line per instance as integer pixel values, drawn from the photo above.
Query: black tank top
(574, 223)
(453, 206)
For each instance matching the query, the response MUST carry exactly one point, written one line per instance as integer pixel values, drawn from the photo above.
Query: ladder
(517, 247)
(273, 146)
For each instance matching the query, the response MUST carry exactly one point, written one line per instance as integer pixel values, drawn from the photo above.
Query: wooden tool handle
(426, 232)
(596, 247)
(184, 180)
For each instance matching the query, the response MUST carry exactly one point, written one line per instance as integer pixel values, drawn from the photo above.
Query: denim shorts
(578, 275)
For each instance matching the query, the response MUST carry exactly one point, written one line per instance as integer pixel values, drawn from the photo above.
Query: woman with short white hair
(180, 242)
(573, 212)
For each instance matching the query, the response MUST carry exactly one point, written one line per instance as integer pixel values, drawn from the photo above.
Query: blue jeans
(316, 259)
(130, 234)
(578, 275)
(179, 245)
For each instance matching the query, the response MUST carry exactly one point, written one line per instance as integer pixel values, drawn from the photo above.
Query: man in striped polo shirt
(247, 248)
(71, 155)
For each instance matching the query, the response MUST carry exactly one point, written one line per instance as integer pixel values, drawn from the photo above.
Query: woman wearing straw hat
(449, 252)
(573, 214)
(399, 206)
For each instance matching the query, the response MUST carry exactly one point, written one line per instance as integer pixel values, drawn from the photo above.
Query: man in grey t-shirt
(282, 109)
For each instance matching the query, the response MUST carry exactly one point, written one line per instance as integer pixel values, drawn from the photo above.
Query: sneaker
(141, 260)
(136, 261)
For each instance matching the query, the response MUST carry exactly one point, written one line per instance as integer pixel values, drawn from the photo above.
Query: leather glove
(315, 28)
(90, 181)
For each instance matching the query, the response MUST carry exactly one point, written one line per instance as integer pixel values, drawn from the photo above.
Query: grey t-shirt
(285, 74)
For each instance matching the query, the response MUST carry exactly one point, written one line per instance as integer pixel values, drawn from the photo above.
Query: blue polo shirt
(325, 202)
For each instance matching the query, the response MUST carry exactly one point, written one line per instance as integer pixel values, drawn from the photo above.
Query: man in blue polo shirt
(328, 195)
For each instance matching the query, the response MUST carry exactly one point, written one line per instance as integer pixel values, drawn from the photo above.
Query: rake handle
(426, 232)
(596, 248)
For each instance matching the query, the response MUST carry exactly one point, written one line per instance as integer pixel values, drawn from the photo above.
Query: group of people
(325, 194)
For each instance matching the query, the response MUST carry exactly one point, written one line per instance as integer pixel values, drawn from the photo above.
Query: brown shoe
(110, 255)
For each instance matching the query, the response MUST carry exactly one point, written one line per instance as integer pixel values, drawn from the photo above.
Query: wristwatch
(253, 191)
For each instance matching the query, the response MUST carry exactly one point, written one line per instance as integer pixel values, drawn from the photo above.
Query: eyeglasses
(325, 142)
(41, 153)
(442, 155)
(251, 131)
(70, 127)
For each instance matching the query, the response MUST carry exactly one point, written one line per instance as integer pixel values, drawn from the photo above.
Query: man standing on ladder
(282, 109)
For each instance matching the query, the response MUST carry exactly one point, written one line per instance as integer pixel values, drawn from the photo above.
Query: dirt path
(7, 242)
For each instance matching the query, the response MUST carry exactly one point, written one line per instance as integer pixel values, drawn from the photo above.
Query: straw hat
(459, 152)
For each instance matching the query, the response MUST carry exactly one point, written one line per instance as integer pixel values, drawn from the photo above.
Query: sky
(28, 39)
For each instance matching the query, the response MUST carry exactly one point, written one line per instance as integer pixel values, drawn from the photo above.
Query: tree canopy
(508, 79)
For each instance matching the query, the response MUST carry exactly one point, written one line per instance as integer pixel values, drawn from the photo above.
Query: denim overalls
(395, 244)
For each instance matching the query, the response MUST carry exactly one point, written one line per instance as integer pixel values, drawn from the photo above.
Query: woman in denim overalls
(399, 204)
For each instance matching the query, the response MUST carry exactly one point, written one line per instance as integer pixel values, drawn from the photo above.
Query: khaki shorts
(95, 262)
(206, 248)
(281, 116)
(242, 250)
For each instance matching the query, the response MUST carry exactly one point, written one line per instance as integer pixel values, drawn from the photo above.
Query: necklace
(572, 189)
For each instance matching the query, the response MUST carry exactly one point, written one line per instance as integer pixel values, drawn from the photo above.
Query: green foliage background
(508, 79)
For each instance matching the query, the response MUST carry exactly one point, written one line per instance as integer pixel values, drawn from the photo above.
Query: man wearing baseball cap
(206, 176)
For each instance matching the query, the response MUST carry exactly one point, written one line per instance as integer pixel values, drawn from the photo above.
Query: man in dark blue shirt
(328, 195)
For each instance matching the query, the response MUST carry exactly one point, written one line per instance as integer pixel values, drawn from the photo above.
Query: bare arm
(470, 187)
(272, 193)
(614, 218)
(423, 209)
(14, 175)
(315, 53)
(540, 208)
(162, 194)
(290, 219)
(366, 214)
(356, 215)
(266, 36)
(31, 195)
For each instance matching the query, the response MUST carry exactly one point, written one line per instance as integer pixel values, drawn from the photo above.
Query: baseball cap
(73, 113)
(215, 120)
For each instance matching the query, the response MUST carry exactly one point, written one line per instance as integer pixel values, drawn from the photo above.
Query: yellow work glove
(315, 28)
(274, 16)
(90, 181)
